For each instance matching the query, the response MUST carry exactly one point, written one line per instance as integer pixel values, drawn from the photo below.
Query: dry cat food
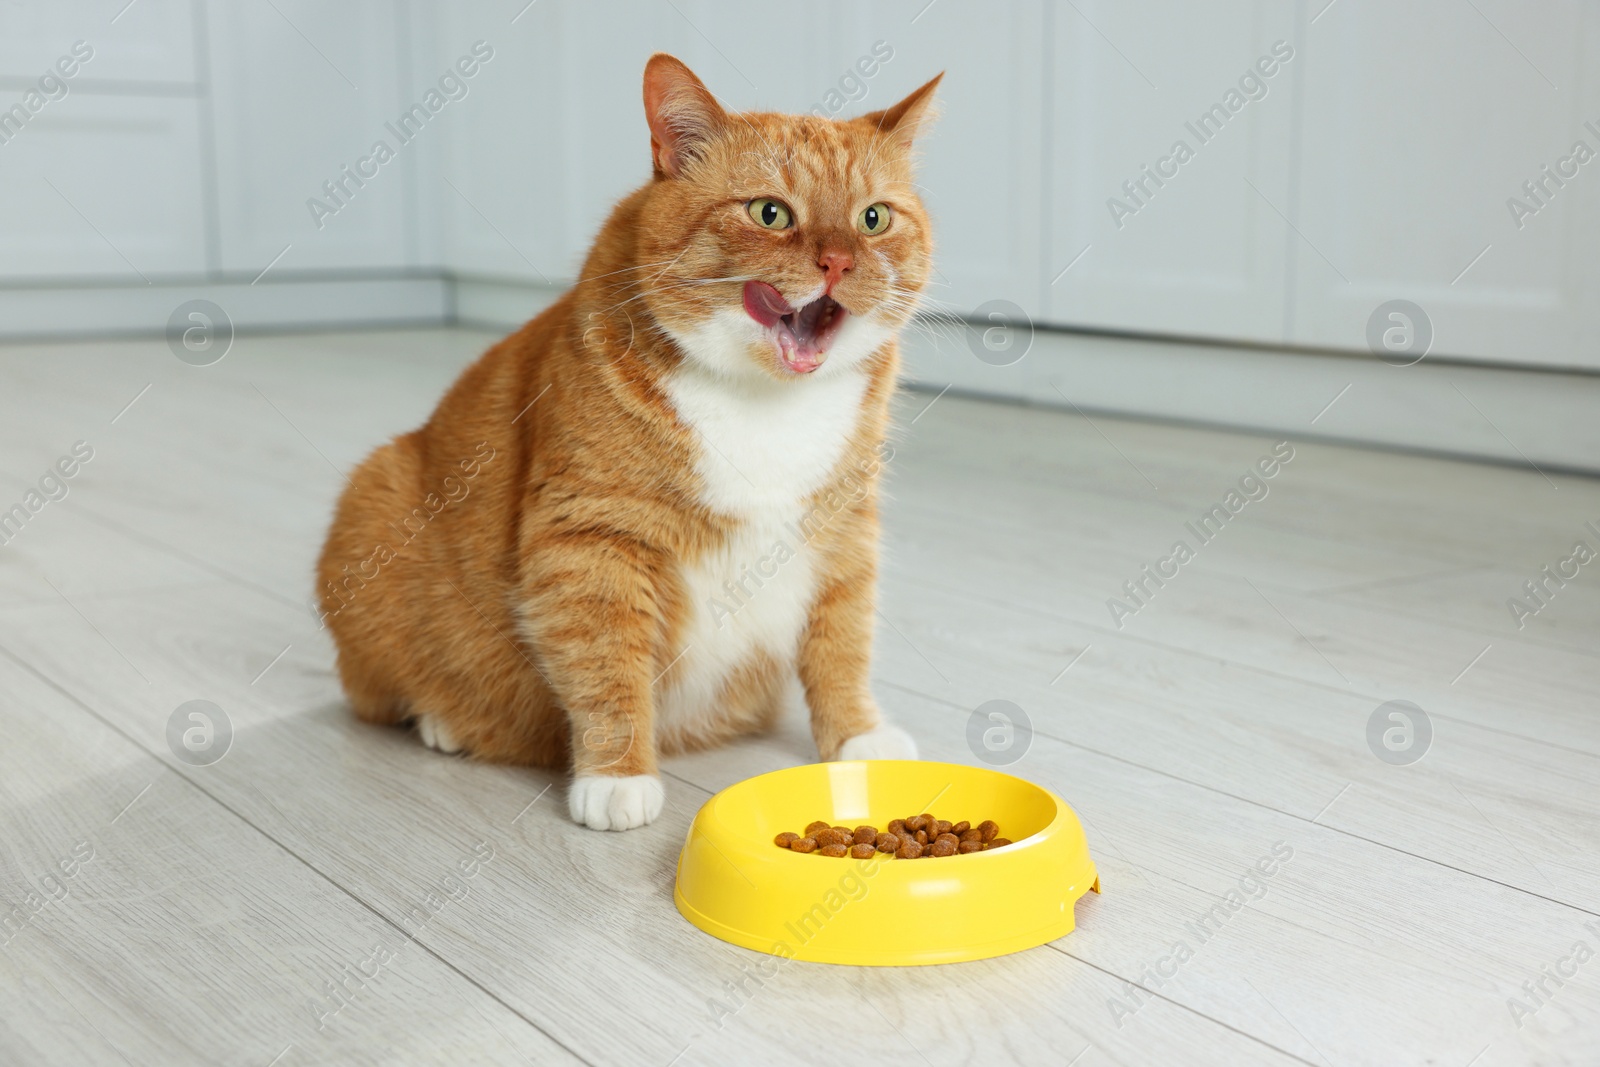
(918, 837)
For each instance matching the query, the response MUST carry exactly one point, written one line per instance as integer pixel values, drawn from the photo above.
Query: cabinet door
(553, 136)
(1200, 248)
(103, 187)
(1421, 122)
(302, 90)
(100, 171)
(150, 42)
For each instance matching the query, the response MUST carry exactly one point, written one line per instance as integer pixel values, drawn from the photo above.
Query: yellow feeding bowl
(735, 884)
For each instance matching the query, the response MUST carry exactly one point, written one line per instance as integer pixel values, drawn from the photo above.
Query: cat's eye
(874, 220)
(770, 213)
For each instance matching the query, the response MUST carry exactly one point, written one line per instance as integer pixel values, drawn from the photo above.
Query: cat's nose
(834, 262)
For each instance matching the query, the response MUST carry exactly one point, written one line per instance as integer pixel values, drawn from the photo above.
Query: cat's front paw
(436, 735)
(602, 803)
(881, 742)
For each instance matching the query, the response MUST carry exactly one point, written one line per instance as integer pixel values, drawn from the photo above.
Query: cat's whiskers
(669, 266)
(624, 270)
(929, 316)
(623, 283)
(935, 319)
(667, 291)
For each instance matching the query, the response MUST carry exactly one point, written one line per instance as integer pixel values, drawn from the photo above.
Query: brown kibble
(923, 836)
(785, 839)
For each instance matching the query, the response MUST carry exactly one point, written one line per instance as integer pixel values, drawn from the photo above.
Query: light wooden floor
(221, 903)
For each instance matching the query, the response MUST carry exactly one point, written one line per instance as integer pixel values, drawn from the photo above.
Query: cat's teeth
(795, 356)
(803, 334)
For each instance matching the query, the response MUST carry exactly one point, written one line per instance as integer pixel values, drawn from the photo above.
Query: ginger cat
(647, 521)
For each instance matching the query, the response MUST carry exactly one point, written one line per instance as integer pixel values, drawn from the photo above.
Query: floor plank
(1264, 625)
(1285, 744)
(176, 933)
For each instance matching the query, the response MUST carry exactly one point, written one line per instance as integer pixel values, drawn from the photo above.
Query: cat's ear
(907, 119)
(682, 113)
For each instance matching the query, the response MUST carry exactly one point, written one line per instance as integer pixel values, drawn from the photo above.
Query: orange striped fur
(632, 528)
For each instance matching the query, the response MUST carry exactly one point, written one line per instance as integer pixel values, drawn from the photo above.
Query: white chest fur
(766, 447)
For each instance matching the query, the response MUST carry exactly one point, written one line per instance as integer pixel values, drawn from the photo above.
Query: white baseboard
(499, 304)
(1516, 416)
(70, 310)
(1528, 417)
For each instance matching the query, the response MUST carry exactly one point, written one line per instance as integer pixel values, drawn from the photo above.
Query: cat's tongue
(764, 303)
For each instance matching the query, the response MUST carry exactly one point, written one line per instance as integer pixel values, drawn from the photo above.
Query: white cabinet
(1169, 139)
(149, 42)
(1377, 166)
(1420, 122)
(303, 92)
(100, 147)
(553, 135)
(106, 187)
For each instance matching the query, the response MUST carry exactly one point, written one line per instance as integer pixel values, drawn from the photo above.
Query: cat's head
(779, 245)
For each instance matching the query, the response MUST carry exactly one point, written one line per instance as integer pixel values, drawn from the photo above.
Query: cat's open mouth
(802, 334)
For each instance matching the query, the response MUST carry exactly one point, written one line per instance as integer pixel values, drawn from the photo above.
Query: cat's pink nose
(834, 262)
